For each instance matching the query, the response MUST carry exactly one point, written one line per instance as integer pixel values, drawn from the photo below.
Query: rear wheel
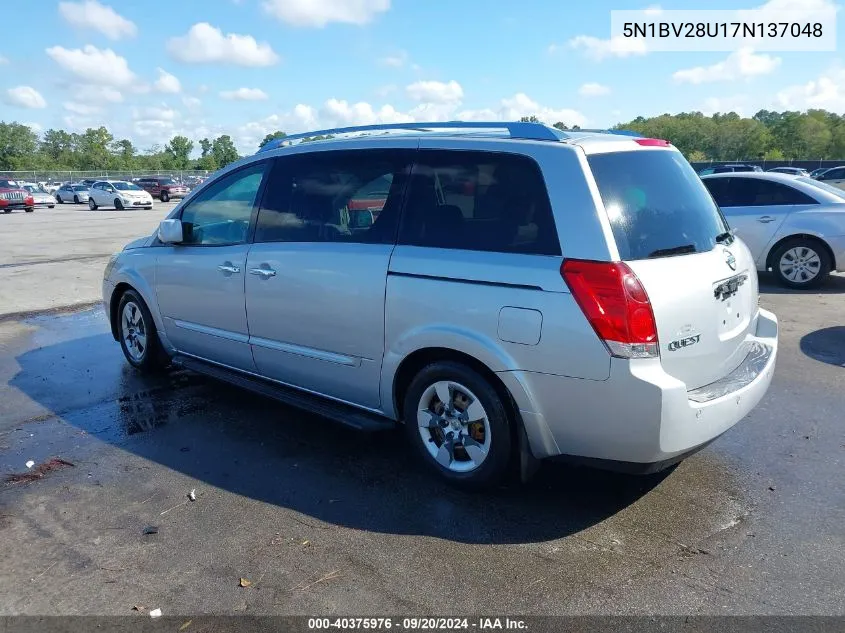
(118, 204)
(165, 197)
(458, 425)
(76, 200)
(801, 263)
(59, 199)
(29, 209)
(138, 336)
(91, 204)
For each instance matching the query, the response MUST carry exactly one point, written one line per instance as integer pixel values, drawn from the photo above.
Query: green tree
(696, 156)
(124, 154)
(271, 137)
(18, 144)
(774, 154)
(93, 148)
(561, 126)
(224, 151)
(179, 148)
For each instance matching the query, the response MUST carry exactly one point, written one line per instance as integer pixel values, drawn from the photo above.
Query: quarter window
(479, 201)
(340, 196)
(221, 213)
(756, 192)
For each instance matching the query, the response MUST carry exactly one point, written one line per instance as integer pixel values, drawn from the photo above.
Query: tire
(118, 204)
(51, 206)
(165, 197)
(29, 209)
(59, 200)
(91, 204)
(76, 200)
(801, 263)
(487, 460)
(148, 208)
(138, 336)
(7, 210)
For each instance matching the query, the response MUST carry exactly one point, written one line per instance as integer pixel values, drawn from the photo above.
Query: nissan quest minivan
(514, 293)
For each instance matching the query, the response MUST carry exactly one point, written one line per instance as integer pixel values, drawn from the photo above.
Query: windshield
(30, 188)
(80, 188)
(126, 186)
(839, 193)
(166, 181)
(656, 203)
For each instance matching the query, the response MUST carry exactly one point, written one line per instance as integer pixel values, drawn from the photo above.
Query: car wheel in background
(148, 208)
(51, 206)
(7, 210)
(138, 336)
(165, 197)
(801, 263)
(118, 204)
(76, 200)
(459, 425)
(29, 209)
(59, 200)
(91, 204)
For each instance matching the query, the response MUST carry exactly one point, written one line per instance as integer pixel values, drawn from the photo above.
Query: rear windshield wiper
(725, 238)
(675, 250)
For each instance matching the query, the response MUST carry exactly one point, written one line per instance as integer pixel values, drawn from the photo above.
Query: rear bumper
(640, 418)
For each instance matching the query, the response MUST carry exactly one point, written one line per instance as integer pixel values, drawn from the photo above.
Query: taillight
(652, 142)
(615, 303)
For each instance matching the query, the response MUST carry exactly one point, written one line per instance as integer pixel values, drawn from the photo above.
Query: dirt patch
(38, 472)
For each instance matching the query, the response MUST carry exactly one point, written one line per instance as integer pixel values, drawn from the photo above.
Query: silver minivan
(516, 293)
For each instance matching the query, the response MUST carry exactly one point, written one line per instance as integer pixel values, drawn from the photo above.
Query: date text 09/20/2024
(418, 624)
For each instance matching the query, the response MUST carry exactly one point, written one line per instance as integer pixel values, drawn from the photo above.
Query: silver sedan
(794, 225)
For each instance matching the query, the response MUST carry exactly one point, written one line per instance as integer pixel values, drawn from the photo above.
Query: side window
(720, 189)
(760, 193)
(338, 196)
(221, 213)
(479, 201)
(837, 173)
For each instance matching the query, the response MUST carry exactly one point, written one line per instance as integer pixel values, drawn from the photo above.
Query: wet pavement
(323, 520)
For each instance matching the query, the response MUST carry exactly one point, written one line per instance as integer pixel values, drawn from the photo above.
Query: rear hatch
(700, 280)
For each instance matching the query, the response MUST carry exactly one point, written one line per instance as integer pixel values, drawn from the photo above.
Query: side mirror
(170, 231)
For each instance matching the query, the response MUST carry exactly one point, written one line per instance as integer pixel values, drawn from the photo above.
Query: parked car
(118, 194)
(40, 196)
(834, 176)
(164, 189)
(14, 197)
(790, 171)
(529, 319)
(794, 227)
(76, 193)
(88, 181)
(723, 169)
(818, 172)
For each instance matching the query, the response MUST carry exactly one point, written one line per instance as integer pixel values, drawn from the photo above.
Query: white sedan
(794, 225)
(118, 194)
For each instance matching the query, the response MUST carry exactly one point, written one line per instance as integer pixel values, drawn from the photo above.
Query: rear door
(315, 281)
(756, 208)
(703, 290)
(835, 177)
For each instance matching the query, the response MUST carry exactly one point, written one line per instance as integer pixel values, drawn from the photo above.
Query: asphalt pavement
(320, 520)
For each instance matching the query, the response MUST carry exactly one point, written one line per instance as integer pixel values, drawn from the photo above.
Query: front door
(200, 282)
(316, 273)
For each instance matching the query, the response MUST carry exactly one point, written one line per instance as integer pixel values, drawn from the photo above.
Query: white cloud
(736, 103)
(521, 105)
(435, 91)
(95, 66)
(245, 94)
(167, 83)
(160, 113)
(743, 63)
(593, 90)
(653, 10)
(598, 49)
(318, 13)
(3, 60)
(827, 92)
(158, 130)
(90, 14)
(192, 103)
(395, 60)
(206, 44)
(25, 97)
(99, 93)
(81, 108)
(383, 91)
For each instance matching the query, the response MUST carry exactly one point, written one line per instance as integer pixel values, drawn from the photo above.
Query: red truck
(13, 197)
(165, 189)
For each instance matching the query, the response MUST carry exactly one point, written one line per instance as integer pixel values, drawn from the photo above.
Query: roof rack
(610, 131)
(516, 129)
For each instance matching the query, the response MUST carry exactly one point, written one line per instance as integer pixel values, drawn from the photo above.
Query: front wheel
(59, 200)
(801, 263)
(138, 336)
(118, 204)
(91, 204)
(76, 200)
(458, 425)
(29, 209)
(165, 197)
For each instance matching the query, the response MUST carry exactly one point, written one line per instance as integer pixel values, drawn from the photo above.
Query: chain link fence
(76, 176)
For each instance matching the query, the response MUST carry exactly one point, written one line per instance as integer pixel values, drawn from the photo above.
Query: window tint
(706, 171)
(336, 196)
(720, 189)
(221, 213)
(837, 173)
(656, 204)
(479, 201)
(756, 192)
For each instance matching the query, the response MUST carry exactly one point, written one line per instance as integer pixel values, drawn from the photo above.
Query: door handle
(766, 219)
(228, 268)
(266, 273)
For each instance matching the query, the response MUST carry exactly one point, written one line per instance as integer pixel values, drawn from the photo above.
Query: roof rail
(610, 131)
(516, 129)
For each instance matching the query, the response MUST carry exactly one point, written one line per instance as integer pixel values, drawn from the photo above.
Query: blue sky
(149, 70)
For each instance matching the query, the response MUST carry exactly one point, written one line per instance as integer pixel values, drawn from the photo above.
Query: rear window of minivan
(656, 203)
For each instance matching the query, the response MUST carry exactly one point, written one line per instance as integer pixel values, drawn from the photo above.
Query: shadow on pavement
(258, 448)
(826, 345)
(835, 284)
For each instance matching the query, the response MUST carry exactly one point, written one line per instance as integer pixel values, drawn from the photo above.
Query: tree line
(22, 149)
(769, 135)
